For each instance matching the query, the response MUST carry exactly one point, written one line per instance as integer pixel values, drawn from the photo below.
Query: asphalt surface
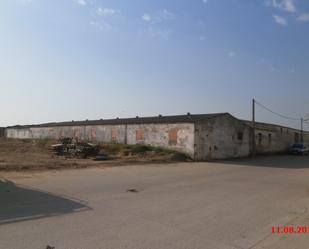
(226, 205)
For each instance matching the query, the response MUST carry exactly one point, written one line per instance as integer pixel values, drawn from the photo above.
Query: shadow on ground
(19, 204)
(273, 161)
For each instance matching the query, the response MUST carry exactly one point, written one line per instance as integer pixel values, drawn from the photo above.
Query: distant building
(202, 137)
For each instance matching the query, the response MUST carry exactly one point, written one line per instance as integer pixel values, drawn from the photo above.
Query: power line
(276, 113)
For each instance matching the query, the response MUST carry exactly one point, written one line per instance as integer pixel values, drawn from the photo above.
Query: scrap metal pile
(72, 147)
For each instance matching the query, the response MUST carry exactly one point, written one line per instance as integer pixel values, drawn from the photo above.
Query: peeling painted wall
(149, 134)
(182, 138)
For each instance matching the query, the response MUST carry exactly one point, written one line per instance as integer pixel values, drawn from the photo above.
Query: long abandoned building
(202, 137)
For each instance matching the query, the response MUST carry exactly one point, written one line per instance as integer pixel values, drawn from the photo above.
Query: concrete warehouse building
(202, 137)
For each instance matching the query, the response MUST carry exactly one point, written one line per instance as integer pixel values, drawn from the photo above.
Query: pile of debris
(69, 146)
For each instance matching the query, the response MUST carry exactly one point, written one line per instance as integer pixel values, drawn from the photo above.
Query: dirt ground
(26, 154)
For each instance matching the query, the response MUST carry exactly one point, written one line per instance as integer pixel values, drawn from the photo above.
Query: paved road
(225, 205)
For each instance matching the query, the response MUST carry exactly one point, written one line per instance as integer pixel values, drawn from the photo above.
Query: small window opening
(260, 138)
(269, 137)
(140, 135)
(173, 137)
(240, 136)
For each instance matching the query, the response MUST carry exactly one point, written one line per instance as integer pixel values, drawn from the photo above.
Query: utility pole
(302, 130)
(253, 128)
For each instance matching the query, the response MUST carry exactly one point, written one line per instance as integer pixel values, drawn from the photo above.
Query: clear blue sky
(90, 59)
